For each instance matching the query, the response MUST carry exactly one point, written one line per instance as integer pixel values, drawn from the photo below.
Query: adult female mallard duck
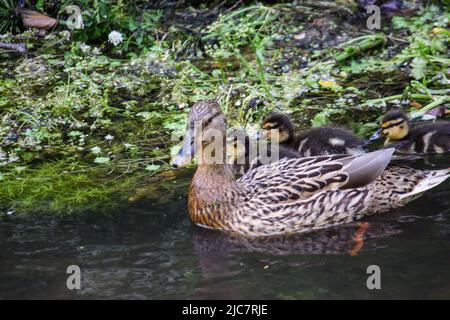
(312, 142)
(291, 195)
(407, 139)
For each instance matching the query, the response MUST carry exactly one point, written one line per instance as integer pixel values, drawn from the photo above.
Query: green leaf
(74, 133)
(367, 129)
(217, 73)
(323, 117)
(20, 169)
(3, 102)
(320, 119)
(101, 160)
(152, 167)
(132, 25)
(139, 40)
(40, 5)
(399, 22)
(419, 66)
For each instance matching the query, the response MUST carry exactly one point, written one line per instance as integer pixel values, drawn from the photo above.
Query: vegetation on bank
(90, 115)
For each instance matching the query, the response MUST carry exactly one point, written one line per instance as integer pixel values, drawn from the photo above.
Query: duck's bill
(376, 135)
(186, 153)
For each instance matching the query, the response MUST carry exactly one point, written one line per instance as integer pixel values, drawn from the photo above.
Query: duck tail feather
(433, 179)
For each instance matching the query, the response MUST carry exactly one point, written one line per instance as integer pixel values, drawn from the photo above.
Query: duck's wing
(292, 179)
(327, 192)
(300, 195)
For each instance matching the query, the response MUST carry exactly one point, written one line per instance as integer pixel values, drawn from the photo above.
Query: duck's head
(394, 126)
(278, 127)
(205, 135)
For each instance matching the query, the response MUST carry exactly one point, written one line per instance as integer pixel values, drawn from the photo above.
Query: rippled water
(151, 251)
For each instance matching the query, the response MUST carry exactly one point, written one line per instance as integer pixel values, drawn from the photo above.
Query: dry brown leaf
(37, 20)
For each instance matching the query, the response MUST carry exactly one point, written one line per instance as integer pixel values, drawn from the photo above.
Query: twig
(397, 39)
(234, 6)
(368, 42)
(437, 100)
(330, 5)
(435, 103)
(399, 96)
(18, 47)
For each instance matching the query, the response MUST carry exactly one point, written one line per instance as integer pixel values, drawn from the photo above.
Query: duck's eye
(207, 121)
(402, 127)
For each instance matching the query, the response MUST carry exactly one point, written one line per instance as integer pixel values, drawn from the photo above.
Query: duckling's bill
(376, 135)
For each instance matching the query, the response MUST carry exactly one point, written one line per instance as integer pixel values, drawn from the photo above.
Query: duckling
(419, 139)
(246, 153)
(313, 142)
(290, 195)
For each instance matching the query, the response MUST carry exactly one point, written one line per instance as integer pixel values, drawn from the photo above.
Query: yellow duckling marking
(269, 125)
(395, 130)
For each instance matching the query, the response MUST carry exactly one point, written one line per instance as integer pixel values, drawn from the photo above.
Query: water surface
(150, 250)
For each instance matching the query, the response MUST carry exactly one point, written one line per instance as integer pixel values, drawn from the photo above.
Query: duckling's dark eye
(208, 121)
(401, 127)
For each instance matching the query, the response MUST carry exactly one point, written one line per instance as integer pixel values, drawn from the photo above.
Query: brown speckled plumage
(298, 195)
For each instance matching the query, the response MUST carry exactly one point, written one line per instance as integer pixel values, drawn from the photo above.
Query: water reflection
(220, 255)
(348, 239)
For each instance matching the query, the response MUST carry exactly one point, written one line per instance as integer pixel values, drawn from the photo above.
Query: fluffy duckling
(245, 153)
(419, 139)
(313, 142)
